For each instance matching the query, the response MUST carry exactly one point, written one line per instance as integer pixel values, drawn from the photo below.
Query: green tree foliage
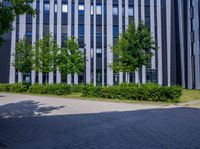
(70, 59)
(23, 56)
(9, 12)
(45, 54)
(133, 49)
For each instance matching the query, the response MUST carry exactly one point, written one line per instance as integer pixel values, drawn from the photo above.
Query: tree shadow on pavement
(27, 108)
(23, 127)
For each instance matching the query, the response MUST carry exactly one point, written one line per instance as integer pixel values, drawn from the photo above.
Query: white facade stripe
(94, 43)
(136, 17)
(120, 32)
(76, 34)
(109, 42)
(59, 31)
(152, 17)
(103, 45)
(87, 41)
(51, 30)
(33, 40)
(143, 19)
(41, 31)
(69, 77)
(160, 72)
(12, 52)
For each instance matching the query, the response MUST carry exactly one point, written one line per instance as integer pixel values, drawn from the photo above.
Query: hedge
(148, 92)
(52, 89)
(16, 88)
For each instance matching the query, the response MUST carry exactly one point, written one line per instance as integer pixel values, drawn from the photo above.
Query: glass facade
(76, 18)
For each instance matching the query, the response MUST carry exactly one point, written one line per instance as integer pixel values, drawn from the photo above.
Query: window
(81, 30)
(81, 49)
(116, 31)
(99, 11)
(46, 8)
(91, 10)
(56, 8)
(115, 10)
(30, 3)
(123, 11)
(130, 11)
(64, 8)
(81, 8)
(98, 51)
(28, 34)
(92, 54)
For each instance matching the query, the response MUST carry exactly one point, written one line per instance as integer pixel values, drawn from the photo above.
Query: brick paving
(33, 122)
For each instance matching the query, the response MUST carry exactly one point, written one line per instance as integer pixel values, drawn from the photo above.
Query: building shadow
(23, 126)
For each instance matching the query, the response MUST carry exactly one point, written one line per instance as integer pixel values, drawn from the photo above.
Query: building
(98, 23)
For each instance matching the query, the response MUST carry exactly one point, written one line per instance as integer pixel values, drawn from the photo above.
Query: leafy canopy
(23, 56)
(70, 58)
(9, 9)
(133, 49)
(45, 53)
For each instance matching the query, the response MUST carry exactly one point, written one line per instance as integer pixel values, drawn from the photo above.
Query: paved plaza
(38, 122)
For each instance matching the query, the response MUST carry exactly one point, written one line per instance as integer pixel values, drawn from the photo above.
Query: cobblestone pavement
(33, 122)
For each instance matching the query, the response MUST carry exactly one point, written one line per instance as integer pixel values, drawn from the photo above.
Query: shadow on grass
(22, 126)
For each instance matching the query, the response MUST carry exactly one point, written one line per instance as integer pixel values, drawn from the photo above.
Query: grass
(190, 95)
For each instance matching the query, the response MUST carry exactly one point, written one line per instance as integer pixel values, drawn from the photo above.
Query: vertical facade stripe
(160, 72)
(103, 45)
(94, 44)
(51, 30)
(136, 17)
(33, 40)
(87, 40)
(69, 25)
(143, 19)
(12, 51)
(152, 18)
(109, 42)
(41, 31)
(126, 24)
(22, 34)
(120, 32)
(168, 16)
(76, 34)
(182, 47)
(59, 30)
(189, 53)
(196, 44)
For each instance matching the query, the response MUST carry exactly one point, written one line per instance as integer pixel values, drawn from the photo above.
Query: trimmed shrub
(147, 92)
(52, 89)
(16, 88)
(77, 88)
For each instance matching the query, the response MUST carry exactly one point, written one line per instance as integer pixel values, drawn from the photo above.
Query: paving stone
(76, 124)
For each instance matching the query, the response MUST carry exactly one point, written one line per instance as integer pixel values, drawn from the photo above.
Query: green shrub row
(17, 88)
(148, 92)
(52, 89)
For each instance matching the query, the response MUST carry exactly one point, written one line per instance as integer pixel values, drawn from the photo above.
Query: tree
(23, 56)
(8, 12)
(70, 59)
(133, 49)
(45, 54)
